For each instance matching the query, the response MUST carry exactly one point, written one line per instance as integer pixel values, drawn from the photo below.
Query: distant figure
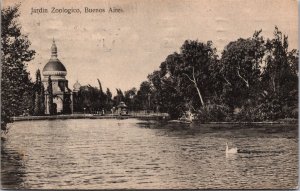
(113, 110)
(102, 111)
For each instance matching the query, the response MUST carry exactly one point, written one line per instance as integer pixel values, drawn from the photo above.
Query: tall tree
(102, 96)
(130, 98)
(38, 88)
(108, 102)
(108, 93)
(184, 79)
(240, 69)
(42, 98)
(281, 65)
(280, 76)
(100, 86)
(197, 58)
(15, 53)
(50, 96)
(253, 80)
(119, 97)
(144, 94)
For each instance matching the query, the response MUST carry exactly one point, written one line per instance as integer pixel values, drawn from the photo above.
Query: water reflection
(12, 168)
(96, 154)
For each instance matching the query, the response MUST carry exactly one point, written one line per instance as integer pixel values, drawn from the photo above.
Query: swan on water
(231, 151)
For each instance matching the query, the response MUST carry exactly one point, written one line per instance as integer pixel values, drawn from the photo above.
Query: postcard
(149, 94)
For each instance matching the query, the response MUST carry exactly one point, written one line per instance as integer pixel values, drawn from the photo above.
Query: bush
(213, 112)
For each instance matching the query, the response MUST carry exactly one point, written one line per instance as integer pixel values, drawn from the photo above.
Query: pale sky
(121, 49)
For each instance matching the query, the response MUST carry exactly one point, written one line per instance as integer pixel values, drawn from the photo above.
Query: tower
(62, 95)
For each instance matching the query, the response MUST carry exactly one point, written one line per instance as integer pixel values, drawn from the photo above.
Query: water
(101, 154)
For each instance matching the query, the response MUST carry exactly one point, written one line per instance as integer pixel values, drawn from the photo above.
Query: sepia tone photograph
(149, 94)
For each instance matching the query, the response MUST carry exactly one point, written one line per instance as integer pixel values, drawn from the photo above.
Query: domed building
(76, 97)
(61, 94)
(76, 87)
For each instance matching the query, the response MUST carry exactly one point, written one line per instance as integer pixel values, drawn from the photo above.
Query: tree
(108, 93)
(184, 79)
(144, 94)
(42, 97)
(93, 99)
(240, 69)
(39, 108)
(101, 93)
(108, 103)
(16, 87)
(50, 96)
(156, 84)
(197, 58)
(254, 80)
(166, 92)
(100, 86)
(119, 97)
(280, 76)
(102, 97)
(130, 99)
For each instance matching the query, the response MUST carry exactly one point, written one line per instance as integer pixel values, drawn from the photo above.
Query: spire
(53, 50)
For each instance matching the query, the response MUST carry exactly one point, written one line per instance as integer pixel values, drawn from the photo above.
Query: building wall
(59, 89)
(58, 100)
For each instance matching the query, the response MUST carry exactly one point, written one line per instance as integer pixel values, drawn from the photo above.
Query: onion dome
(76, 86)
(54, 67)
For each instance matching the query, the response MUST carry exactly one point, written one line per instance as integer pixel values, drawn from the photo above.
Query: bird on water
(231, 150)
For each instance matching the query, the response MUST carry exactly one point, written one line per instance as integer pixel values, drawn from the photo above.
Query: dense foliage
(16, 87)
(38, 96)
(50, 97)
(255, 79)
(92, 99)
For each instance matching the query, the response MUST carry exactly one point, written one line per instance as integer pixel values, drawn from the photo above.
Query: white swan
(231, 151)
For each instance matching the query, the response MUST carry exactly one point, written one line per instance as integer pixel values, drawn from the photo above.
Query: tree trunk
(241, 77)
(196, 86)
(199, 94)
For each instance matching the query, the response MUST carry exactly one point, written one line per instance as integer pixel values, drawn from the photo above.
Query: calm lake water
(131, 153)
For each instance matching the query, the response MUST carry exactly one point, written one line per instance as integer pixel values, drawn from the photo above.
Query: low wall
(157, 116)
(90, 116)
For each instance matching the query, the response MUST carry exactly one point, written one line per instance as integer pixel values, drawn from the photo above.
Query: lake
(132, 153)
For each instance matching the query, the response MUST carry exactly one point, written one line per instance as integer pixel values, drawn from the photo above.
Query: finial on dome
(54, 49)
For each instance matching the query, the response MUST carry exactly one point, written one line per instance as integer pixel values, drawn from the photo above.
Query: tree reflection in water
(12, 168)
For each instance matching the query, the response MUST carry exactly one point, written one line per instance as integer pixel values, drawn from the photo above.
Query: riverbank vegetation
(253, 79)
(16, 85)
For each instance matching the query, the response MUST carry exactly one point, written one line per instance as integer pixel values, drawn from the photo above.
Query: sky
(122, 48)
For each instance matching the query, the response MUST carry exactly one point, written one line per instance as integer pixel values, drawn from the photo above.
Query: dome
(54, 67)
(76, 86)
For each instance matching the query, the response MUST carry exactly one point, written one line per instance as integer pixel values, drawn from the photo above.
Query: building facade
(62, 95)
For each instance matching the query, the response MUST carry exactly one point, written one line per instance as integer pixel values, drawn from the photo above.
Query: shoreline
(88, 116)
(143, 117)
